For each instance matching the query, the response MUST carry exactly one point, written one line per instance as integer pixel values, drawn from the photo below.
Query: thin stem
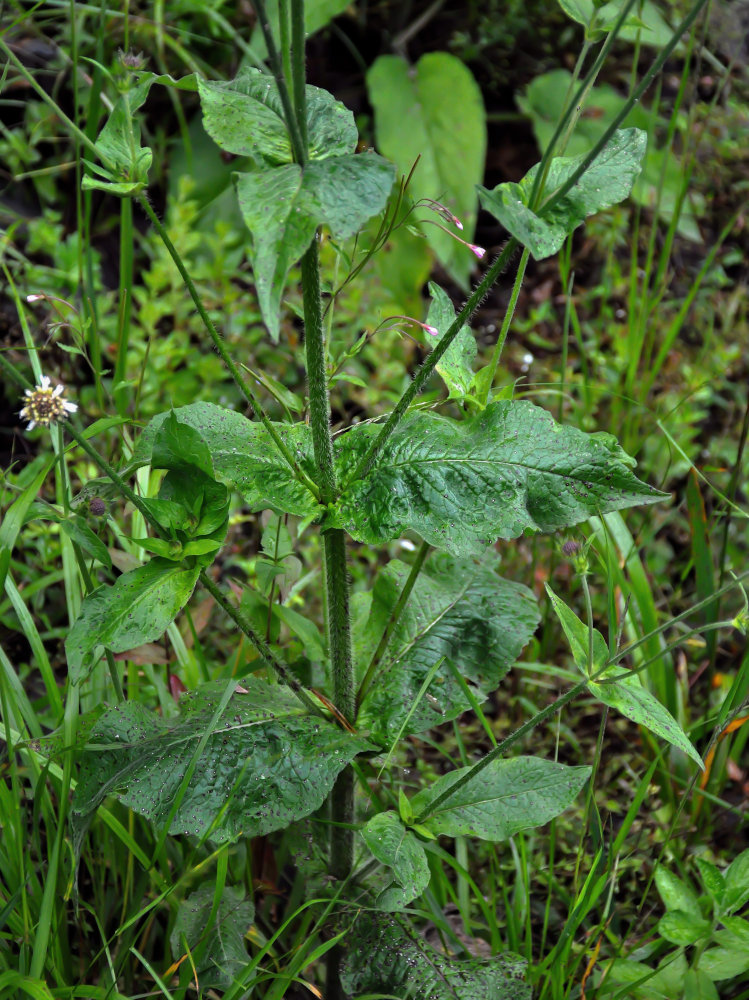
(82, 137)
(218, 343)
(297, 70)
(262, 647)
(423, 374)
(283, 91)
(589, 619)
(633, 98)
(126, 297)
(509, 313)
(393, 620)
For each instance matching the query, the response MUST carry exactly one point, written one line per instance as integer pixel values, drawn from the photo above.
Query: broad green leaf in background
(245, 457)
(607, 181)
(387, 957)
(460, 611)
(712, 879)
(137, 608)
(433, 111)
(494, 475)
(456, 364)
(506, 796)
(217, 947)
(267, 762)
(400, 850)
(626, 694)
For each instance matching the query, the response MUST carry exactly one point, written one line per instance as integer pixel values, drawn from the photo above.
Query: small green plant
(712, 940)
(305, 737)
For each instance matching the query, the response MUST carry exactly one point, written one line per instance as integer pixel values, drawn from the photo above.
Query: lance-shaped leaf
(245, 457)
(137, 608)
(400, 850)
(283, 207)
(506, 796)
(625, 694)
(607, 181)
(494, 475)
(217, 945)
(456, 364)
(266, 762)
(459, 612)
(387, 957)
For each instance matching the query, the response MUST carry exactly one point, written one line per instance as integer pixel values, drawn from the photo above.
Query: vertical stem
(126, 291)
(297, 69)
(317, 375)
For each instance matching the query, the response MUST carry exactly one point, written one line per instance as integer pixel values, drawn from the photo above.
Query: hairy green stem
(393, 620)
(423, 374)
(509, 313)
(317, 374)
(220, 347)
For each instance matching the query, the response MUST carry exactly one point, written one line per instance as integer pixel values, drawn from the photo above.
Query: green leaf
(266, 763)
(723, 963)
(459, 610)
(735, 933)
(629, 697)
(712, 879)
(698, 986)
(215, 938)
(89, 543)
(434, 112)
(456, 365)
(503, 798)
(577, 635)
(179, 446)
(494, 475)
(737, 883)
(676, 894)
(683, 928)
(245, 457)
(607, 181)
(245, 116)
(119, 144)
(386, 956)
(397, 848)
(283, 207)
(626, 695)
(138, 608)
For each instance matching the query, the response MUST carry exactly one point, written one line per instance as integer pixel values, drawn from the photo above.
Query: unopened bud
(97, 506)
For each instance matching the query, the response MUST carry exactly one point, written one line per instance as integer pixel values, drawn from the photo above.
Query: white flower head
(45, 405)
